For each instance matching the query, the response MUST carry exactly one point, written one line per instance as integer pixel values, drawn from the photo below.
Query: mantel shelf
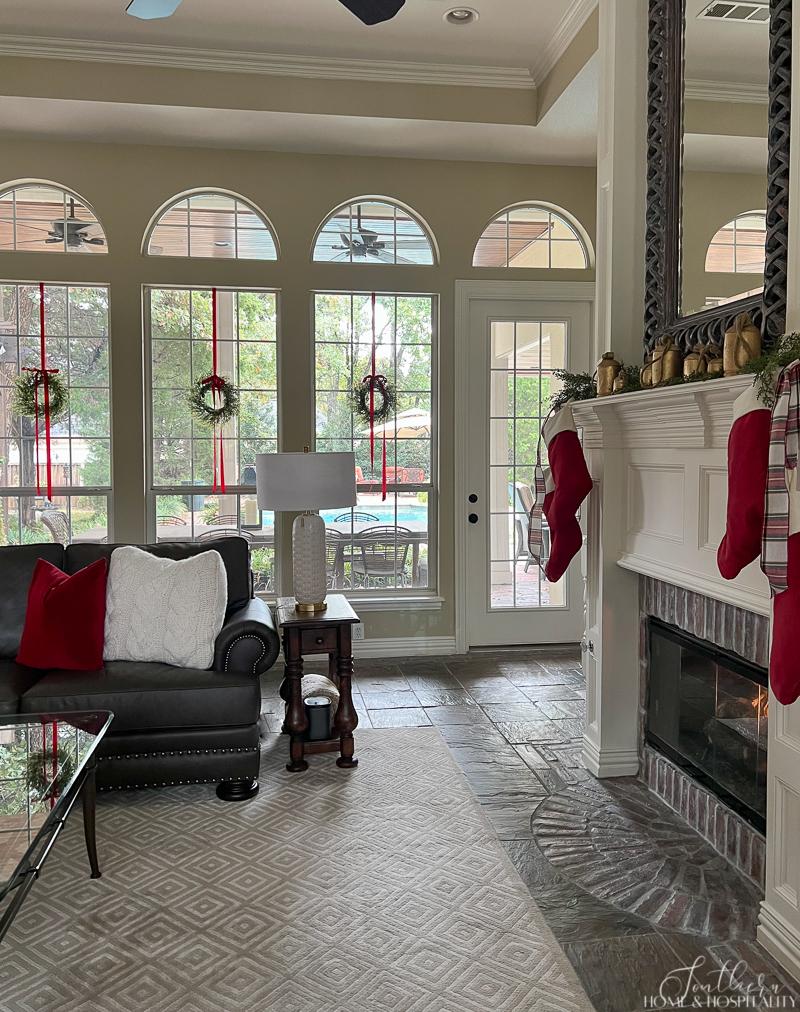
(686, 416)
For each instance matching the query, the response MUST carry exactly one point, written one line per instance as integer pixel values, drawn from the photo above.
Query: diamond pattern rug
(381, 888)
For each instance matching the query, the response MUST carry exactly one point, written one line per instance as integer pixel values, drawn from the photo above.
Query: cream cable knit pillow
(164, 610)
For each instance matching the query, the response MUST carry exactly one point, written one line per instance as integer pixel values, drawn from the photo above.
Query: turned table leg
(296, 722)
(346, 717)
(89, 799)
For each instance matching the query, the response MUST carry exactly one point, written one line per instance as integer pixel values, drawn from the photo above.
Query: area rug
(380, 888)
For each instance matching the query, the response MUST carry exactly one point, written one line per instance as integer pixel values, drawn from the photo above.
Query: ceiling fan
(70, 228)
(371, 12)
(364, 243)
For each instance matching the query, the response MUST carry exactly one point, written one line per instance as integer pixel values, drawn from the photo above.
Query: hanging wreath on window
(29, 393)
(384, 399)
(214, 400)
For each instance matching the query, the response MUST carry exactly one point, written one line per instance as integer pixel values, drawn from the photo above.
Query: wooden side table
(328, 632)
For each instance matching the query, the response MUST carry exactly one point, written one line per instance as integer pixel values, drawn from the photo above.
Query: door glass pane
(523, 356)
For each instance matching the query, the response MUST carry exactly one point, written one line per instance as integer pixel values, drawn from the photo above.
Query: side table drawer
(318, 641)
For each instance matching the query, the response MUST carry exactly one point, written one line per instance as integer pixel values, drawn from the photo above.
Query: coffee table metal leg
(89, 798)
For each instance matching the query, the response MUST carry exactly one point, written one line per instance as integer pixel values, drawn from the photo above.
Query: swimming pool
(383, 514)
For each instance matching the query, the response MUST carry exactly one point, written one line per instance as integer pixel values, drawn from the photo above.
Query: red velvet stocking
(572, 483)
(748, 453)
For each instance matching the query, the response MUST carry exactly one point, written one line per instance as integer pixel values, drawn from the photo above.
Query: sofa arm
(248, 641)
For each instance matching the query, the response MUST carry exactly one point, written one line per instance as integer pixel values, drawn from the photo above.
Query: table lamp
(308, 482)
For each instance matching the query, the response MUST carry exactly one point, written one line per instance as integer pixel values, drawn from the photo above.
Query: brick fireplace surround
(730, 628)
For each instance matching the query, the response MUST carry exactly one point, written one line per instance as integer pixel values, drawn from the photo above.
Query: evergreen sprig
(768, 365)
(575, 386)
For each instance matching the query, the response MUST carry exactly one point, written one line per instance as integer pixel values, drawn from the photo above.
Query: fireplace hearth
(707, 711)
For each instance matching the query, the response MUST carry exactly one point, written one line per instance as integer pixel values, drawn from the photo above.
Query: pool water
(383, 514)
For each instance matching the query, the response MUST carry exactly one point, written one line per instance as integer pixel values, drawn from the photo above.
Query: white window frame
(420, 598)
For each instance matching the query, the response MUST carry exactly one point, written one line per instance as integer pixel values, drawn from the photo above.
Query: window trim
(544, 205)
(209, 191)
(15, 184)
(77, 491)
(428, 598)
(151, 491)
(377, 199)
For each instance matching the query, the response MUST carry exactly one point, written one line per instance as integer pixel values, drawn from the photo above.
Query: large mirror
(725, 126)
(717, 184)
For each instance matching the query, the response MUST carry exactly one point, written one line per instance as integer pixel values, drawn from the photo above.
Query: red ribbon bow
(375, 380)
(216, 383)
(41, 378)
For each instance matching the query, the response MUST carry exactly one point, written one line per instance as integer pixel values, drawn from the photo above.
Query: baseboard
(405, 646)
(780, 939)
(618, 762)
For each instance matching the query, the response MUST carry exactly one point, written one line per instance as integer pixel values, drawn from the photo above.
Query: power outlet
(358, 631)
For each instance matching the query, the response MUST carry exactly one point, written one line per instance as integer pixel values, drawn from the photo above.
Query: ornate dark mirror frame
(664, 178)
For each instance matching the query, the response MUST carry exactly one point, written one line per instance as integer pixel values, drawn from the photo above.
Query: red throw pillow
(65, 619)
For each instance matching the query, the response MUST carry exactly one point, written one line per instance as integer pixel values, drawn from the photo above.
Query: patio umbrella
(414, 422)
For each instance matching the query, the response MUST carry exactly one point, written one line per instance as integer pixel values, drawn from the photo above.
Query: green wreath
(384, 401)
(29, 384)
(227, 400)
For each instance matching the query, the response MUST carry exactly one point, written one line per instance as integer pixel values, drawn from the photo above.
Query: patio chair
(226, 520)
(225, 532)
(171, 521)
(525, 500)
(57, 522)
(383, 557)
(334, 559)
(358, 518)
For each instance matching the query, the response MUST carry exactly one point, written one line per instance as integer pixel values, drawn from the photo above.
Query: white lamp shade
(305, 481)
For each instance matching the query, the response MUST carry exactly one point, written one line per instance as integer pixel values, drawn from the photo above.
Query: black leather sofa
(171, 725)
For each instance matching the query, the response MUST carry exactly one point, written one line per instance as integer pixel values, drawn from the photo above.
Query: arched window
(738, 247)
(532, 235)
(374, 230)
(42, 217)
(211, 223)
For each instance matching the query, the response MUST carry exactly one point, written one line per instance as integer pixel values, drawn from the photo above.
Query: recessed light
(461, 16)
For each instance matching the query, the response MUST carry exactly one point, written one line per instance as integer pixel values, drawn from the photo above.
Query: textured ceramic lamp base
(308, 553)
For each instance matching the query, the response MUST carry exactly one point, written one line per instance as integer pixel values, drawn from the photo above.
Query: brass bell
(742, 344)
(607, 370)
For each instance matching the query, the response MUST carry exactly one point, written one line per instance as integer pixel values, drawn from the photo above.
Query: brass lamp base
(311, 609)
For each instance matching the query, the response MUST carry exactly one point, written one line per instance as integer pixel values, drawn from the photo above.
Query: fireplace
(707, 711)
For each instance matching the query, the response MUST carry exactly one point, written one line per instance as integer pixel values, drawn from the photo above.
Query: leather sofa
(171, 725)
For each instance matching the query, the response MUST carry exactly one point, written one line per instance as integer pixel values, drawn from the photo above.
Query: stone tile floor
(628, 889)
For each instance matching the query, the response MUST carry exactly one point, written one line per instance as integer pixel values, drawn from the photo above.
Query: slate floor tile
(501, 691)
(533, 867)
(369, 682)
(498, 712)
(574, 915)
(443, 697)
(520, 732)
(387, 700)
(558, 709)
(510, 821)
(413, 716)
(538, 693)
(456, 715)
(571, 727)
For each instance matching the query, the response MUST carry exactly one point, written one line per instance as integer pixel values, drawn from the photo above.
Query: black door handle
(473, 497)
(473, 518)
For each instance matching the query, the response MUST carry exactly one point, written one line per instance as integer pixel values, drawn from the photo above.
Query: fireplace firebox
(707, 711)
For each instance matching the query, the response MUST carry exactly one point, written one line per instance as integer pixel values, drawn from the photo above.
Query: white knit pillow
(164, 610)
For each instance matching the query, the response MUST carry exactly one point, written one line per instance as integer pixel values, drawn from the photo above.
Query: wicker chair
(228, 520)
(384, 555)
(171, 521)
(225, 532)
(334, 559)
(57, 522)
(358, 518)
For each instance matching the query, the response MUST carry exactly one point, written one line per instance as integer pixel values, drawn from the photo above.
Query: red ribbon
(380, 381)
(41, 378)
(216, 383)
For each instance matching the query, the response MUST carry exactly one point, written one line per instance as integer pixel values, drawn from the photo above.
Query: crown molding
(725, 91)
(566, 30)
(284, 65)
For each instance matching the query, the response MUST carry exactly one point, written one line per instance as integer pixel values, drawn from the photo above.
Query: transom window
(380, 544)
(183, 503)
(531, 236)
(76, 329)
(739, 246)
(45, 218)
(218, 225)
(374, 231)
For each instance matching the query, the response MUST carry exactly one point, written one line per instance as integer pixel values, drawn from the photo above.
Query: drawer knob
(319, 639)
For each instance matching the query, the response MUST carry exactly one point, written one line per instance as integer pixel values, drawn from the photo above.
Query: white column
(779, 921)
(612, 624)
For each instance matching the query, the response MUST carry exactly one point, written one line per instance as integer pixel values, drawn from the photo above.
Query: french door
(513, 349)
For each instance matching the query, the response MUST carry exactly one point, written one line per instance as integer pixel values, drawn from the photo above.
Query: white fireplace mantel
(671, 444)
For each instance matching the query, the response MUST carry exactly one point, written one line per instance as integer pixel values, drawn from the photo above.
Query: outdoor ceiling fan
(365, 243)
(71, 228)
(371, 12)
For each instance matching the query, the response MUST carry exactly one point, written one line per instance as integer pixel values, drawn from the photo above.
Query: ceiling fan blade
(373, 12)
(149, 10)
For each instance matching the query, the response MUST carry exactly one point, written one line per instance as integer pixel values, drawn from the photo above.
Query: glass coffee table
(46, 761)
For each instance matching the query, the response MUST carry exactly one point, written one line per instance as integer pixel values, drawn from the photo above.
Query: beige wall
(126, 184)
(710, 200)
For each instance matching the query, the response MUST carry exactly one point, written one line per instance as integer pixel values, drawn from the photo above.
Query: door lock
(473, 518)
(473, 497)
